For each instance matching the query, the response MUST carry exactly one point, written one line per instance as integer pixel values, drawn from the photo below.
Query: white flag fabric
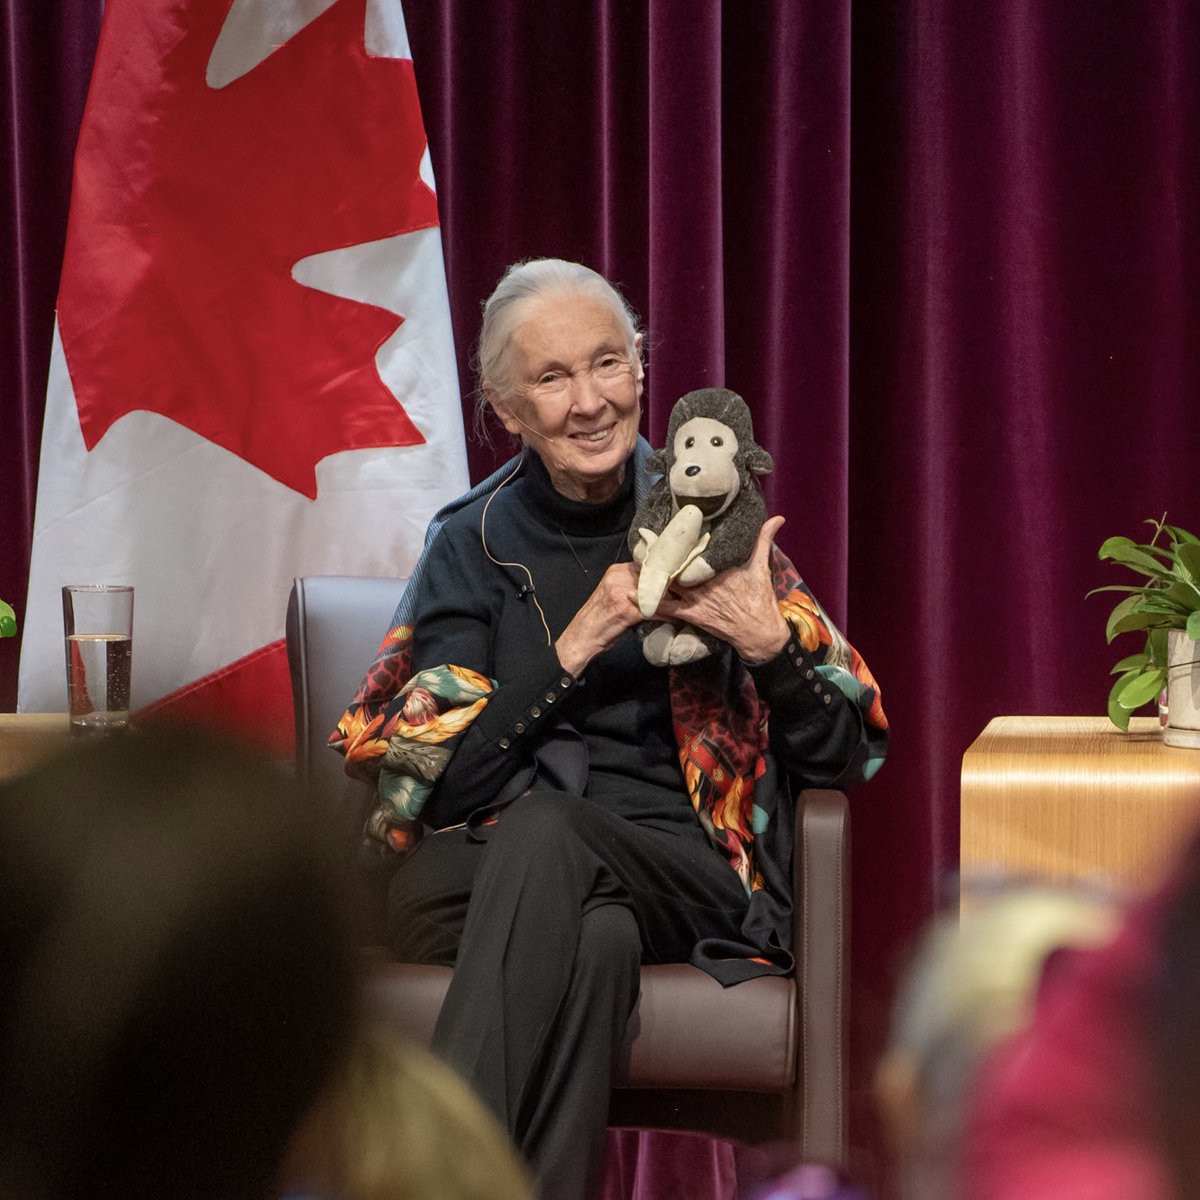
(253, 374)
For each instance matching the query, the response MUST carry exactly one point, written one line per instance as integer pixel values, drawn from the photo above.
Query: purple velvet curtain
(1025, 194)
(947, 252)
(45, 64)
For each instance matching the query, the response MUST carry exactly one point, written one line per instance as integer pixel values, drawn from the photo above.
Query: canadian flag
(253, 374)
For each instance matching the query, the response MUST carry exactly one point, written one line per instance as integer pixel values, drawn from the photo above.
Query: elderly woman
(582, 811)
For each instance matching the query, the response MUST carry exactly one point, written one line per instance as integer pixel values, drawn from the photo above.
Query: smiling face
(576, 392)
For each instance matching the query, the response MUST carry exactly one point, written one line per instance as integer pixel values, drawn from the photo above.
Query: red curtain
(946, 252)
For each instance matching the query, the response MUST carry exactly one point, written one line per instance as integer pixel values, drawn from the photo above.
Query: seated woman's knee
(541, 823)
(609, 940)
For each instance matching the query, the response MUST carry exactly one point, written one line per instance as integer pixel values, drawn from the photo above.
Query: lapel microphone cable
(526, 591)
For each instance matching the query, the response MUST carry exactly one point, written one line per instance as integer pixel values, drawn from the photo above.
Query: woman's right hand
(606, 614)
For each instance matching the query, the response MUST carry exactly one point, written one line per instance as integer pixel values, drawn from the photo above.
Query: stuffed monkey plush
(701, 517)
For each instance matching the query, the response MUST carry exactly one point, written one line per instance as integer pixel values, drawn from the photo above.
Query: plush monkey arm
(736, 530)
(653, 515)
(732, 540)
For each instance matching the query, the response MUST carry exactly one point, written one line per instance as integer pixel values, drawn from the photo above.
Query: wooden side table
(1068, 799)
(27, 739)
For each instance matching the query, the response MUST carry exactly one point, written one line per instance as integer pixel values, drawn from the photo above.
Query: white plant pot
(1183, 691)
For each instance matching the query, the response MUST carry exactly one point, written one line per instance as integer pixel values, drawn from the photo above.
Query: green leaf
(1122, 550)
(1139, 620)
(1164, 554)
(1116, 714)
(1142, 688)
(1122, 610)
(1118, 587)
(1182, 535)
(1160, 602)
(1185, 594)
(1132, 664)
(8, 620)
(1193, 626)
(1188, 554)
(1156, 646)
(1112, 545)
(1173, 615)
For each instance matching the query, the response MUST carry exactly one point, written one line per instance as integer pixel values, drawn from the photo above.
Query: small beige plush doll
(701, 517)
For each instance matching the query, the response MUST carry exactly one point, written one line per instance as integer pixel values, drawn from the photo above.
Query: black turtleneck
(473, 613)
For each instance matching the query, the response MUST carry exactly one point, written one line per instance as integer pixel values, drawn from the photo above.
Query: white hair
(535, 279)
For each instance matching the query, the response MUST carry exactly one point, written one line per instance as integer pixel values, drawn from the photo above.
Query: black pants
(546, 922)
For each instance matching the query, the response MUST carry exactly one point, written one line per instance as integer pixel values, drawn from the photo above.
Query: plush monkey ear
(758, 461)
(657, 462)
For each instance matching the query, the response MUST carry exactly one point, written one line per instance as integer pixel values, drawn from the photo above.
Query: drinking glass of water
(98, 626)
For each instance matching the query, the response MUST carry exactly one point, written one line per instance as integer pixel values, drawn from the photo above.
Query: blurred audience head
(397, 1124)
(971, 983)
(177, 979)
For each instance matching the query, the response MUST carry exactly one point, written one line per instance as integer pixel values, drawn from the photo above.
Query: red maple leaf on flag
(191, 205)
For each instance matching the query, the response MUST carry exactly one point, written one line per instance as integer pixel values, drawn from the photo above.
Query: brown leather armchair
(763, 1060)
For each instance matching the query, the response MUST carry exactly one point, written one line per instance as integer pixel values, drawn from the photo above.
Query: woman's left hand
(738, 605)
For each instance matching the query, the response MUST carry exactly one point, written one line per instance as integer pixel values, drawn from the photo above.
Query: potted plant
(1165, 607)
(8, 620)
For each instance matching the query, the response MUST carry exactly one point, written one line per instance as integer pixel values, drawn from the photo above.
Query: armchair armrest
(821, 875)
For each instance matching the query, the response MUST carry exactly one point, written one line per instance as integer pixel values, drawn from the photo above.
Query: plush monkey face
(704, 470)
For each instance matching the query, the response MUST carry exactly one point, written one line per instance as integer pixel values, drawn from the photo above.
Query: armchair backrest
(335, 624)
